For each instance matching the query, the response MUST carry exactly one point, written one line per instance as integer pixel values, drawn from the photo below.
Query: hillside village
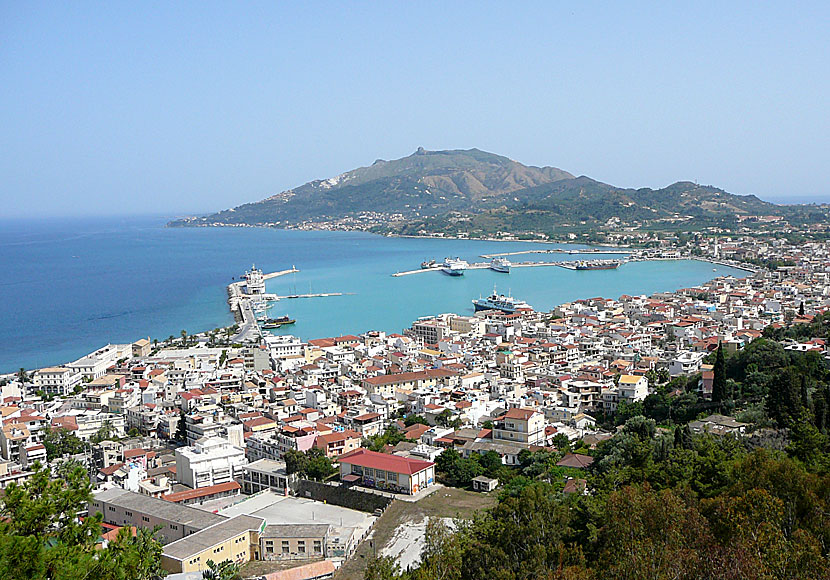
(221, 445)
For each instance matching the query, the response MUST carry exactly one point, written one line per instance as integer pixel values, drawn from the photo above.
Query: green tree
(226, 570)
(181, 427)
(60, 442)
(719, 379)
(295, 462)
(41, 535)
(414, 419)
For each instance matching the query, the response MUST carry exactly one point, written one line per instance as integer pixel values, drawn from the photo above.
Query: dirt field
(444, 503)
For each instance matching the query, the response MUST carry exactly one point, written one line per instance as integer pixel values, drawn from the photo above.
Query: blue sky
(112, 108)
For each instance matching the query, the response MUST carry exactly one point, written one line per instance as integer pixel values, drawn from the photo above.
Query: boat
(454, 266)
(427, 264)
(500, 265)
(277, 322)
(496, 301)
(598, 265)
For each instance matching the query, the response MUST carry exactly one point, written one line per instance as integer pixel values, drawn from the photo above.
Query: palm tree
(226, 570)
(184, 337)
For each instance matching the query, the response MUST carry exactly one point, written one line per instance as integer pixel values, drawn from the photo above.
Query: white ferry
(497, 301)
(500, 265)
(454, 266)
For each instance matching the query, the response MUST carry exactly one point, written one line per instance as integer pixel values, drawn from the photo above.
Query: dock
(567, 264)
(557, 251)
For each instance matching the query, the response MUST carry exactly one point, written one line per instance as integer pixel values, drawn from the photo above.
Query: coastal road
(248, 328)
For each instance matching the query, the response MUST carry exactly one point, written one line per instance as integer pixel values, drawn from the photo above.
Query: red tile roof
(384, 461)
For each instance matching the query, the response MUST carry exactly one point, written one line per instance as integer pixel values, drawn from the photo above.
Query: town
(278, 453)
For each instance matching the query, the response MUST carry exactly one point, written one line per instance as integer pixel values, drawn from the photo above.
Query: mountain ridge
(446, 186)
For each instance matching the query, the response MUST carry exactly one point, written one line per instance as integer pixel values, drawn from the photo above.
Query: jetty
(567, 264)
(557, 251)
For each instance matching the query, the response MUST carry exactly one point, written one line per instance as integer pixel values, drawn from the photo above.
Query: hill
(461, 189)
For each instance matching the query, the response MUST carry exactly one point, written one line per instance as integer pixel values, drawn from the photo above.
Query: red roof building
(384, 471)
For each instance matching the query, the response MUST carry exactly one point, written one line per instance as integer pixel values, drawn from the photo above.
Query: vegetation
(664, 503)
(480, 193)
(42, 537)
(61, 442)
(312, 464)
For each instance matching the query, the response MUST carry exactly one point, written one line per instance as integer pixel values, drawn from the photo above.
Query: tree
(184, 338)
(22, 376)
(181, 427)
(226, 570)
(60, 442)
(319, 467)
(104, 433)
(414, 419)
(41, 535)
(719, 379)
(295, 462)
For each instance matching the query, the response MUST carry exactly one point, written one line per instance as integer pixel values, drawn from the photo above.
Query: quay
(557, 251)
(569, 265)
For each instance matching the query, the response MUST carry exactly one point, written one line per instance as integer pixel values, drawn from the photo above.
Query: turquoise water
(69, 287)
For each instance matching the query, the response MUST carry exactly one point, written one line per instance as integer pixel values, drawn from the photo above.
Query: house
(575, 460)
(383, 471)
(520, 426)
(482, 483)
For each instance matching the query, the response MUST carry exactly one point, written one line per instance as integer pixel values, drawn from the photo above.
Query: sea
(70, 285)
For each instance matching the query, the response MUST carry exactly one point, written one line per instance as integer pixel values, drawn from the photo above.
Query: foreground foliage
(42, 537)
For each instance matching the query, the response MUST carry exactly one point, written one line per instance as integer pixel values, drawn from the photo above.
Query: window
(285, 549)
(174, 527)
(301, 546)
(145, 518)
(129, 514)
(269, 549)
(318, 546)
(110, 508)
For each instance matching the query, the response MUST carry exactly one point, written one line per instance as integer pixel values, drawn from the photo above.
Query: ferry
(496, 301)
(454, 266)
(500, 265)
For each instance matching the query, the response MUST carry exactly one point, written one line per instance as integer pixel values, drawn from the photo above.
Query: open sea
(69, 286)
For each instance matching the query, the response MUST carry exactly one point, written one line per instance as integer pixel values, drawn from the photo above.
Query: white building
(686, 363)
(57, 380)
(212, 460)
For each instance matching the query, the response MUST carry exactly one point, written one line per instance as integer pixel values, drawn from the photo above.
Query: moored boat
(500, 265)
(454, 266)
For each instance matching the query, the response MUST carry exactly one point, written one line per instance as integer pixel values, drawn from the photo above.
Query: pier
(567, 264)
(557, 251)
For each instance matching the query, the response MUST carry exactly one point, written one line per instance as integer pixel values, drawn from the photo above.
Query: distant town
(317, 455)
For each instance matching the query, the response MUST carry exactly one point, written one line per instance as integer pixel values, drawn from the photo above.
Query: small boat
(277, 322)
(500, 265)
(427, 264)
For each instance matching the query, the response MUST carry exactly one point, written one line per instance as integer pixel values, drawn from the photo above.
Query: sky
(179, 108)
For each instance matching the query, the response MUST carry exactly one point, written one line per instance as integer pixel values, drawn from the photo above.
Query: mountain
(472, 190)
(424, 183)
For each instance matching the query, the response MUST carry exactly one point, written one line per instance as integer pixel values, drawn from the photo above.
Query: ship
(598, 265)
(427, 264)
(277, 322)
(496, 301)
(454, 266)
(500, 265)
(254, 281)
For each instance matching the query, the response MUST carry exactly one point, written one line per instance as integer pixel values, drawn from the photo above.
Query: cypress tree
(719, 380)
